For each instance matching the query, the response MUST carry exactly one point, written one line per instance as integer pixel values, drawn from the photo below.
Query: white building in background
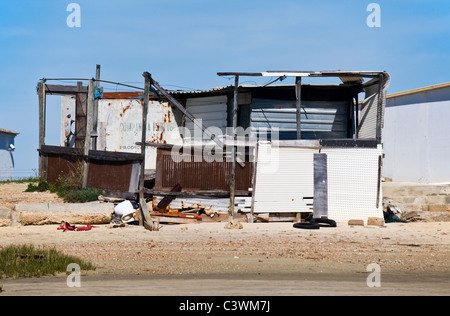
(7, 154)
(416, 135)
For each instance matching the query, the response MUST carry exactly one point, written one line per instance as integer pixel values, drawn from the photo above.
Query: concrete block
(375, 221)
(74, 213)
(5, 217)
(5, 213)
(438, 208)
(356, 222)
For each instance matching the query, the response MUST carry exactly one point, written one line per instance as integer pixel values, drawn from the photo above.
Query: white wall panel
(284, 177)
(353, 183)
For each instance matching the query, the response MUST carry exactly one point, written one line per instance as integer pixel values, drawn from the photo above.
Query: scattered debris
(176, 217)
(102, 198)
(394, 210)
(391, 217)
(67, 227)
(168, 198)
(234, 224)
(119, 225)
(125, 211)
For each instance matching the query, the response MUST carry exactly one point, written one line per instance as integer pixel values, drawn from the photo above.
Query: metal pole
(233, 155)
(298, 82)
(94, 133)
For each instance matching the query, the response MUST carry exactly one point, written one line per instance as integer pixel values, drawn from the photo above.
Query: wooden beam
(146, 218)
(80, 116)
(380, 108)
(234, 150)
(251, 74)
(205, 194)
(87, 140)
(164, 203)
(53, 89)
(93, 154)
(176, 220)
(42, 101)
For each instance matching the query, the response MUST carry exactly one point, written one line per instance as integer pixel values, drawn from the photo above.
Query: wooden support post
(234, 150)
(94, 133)
(80, 115)
(42, 101)
(380, 108)
(87, 140)
(298, 87)
(356, 116)
(255, 172)
(147, 221)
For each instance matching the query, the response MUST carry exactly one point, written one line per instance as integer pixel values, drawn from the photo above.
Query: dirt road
(260, 259)
(300, 284)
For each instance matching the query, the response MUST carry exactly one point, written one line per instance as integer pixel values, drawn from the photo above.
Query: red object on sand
(88, 227)
(66, 226)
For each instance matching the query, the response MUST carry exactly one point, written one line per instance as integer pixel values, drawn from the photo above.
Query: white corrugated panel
(211, 110)
(369, 111)
(284, 179)
(353, 183)
(319, 119)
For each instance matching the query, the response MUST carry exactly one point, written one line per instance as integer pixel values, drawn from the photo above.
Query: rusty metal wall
(203, 176)
(59, 165)
(116, 174)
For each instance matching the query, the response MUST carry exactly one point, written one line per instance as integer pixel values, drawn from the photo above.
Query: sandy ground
(260, 259)
(13, 193)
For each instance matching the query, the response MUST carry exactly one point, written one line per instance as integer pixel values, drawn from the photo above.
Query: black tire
(306, 226)
(316, 223)
(326, 221)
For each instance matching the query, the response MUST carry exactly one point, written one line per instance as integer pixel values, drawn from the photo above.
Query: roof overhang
(5, 131)
(345, 76)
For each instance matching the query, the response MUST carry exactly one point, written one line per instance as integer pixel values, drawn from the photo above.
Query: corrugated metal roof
(212, 90)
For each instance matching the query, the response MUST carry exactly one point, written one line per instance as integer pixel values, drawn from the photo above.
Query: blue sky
(185, 43)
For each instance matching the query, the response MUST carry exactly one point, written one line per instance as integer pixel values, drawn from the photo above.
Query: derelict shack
(300, 148)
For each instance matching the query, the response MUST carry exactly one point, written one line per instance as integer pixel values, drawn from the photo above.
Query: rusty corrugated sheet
(109, 171)
(204, 175)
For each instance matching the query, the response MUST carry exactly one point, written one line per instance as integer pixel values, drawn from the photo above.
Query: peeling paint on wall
(120, 125)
